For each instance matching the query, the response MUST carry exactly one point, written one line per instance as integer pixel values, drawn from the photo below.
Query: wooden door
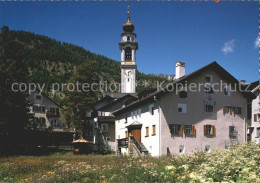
(136, 133)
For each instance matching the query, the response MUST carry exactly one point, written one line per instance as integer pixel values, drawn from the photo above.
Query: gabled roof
(51, 100)
(125, 97)
(254, 86)
(213, 65)
(135, 123)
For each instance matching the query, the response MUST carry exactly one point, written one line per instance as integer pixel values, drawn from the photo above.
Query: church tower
(128, 47)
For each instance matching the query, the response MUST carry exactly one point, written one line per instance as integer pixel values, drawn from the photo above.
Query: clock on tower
(128, 47)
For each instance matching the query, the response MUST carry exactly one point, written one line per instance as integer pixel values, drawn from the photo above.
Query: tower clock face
(128, 73)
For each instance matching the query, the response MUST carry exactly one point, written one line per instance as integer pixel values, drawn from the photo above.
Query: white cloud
(228, 47)
(257, 42)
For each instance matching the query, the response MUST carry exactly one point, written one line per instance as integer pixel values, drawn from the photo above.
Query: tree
(82, 99)
(14, 106)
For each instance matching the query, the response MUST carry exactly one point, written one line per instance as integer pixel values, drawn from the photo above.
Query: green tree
(82, 99)
(14, 106)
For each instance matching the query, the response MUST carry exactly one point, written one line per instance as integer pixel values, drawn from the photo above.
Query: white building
(254, 129)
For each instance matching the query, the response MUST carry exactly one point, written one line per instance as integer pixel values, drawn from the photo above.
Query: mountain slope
(51, 61)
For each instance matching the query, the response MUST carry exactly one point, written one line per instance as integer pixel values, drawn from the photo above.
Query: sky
(194, 32)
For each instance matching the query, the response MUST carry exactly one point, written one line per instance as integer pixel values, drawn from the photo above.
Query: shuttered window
(189, 130)
(154, 130)
(209, 130)
(147, 131)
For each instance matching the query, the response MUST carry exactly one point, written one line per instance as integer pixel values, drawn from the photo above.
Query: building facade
(187, 121)
(47, 113)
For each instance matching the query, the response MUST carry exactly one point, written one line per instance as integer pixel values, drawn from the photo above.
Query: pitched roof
(125, 97)
(213, 65)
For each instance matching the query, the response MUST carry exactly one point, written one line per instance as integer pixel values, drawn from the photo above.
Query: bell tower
(128, 47)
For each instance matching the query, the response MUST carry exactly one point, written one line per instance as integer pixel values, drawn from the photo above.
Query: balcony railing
(122, 142)
(53, 114)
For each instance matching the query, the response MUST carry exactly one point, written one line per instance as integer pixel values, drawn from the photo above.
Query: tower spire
(128, 13)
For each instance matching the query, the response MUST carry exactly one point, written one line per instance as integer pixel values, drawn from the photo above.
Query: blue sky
(195, 32)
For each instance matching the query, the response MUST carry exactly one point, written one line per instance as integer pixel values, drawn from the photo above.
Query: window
(226, 109)
(139, 113)
(42, 120)
(237, 110)
(128, 38)
(125, 118)
(232, 132)
(35, 108)
(55, 124)
(132, 115)
(209, 130)
(128, 54)
(154, 130)
(207, 148)
(209, 78)
(151, 109)
(209, 108)
(183, 94)
(181, 148)
(258, 132)
(147, 131)
(38, 97)
(256, 117)
(35, 120)
(126, 134)
(52, 109)
(108, 138)
(42, 109)
(231, 129)
(187, 129)
(176, 129)
(208, 88)
(104, 127)
(227, 91)
(135, 114)
(182, 108)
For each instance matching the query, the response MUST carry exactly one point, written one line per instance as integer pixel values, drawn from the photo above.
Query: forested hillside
(51, 61)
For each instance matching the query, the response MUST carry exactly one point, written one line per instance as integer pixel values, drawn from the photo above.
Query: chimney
(179, 70)
(243, 82)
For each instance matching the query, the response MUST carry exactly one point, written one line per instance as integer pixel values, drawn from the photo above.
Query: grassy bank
(237, 164)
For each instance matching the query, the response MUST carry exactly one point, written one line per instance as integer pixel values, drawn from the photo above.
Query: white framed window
(104, 127)
(181, 149)
(207, 148)
(182, 108)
